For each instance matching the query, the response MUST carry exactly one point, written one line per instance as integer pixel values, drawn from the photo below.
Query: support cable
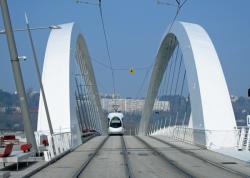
(79, 114)
(143, 82)
(165, 85)
(84, 105)
(173, 76)
(172, 42)
(171, 85)
(185, 116)
(136, 111)
(85, 98)
(81, 92)
(170, 70)
(88, 95)
(79, 105)
(161, 105)
(90, 98)
(174, 95)
(178, 75)
(178, 104)
(152, 120)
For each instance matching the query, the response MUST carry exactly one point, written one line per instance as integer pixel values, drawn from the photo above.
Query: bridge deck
(171, 159)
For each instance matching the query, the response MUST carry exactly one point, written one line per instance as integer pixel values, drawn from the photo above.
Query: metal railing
(244, 138)
(240, 137)
(58, 144)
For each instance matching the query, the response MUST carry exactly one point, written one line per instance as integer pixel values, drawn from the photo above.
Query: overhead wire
(86, 2)
(178, 9)
(110, 66)
(143, 82)
(121, 67)
(107, 47)
(165, 3)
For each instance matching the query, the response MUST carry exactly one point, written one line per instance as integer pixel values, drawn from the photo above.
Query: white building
(132, 105)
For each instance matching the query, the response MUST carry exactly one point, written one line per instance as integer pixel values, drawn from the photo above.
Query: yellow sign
(131, 71)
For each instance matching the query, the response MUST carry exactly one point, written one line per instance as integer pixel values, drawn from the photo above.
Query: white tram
(115, 123)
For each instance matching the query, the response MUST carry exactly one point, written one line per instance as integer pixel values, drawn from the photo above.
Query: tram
(115, 123)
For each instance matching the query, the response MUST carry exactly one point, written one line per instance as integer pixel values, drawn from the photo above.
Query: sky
(134, 29)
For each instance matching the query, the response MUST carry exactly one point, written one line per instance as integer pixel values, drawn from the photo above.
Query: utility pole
(40, 83)
(18, 75)
(39, 76)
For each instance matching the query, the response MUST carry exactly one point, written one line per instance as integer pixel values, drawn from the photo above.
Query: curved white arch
(209, 96)
(59, 81)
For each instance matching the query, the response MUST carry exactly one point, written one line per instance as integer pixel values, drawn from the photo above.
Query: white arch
(59, 81)
(210, 101)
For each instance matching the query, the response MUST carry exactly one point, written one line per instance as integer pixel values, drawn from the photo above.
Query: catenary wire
(107, 46)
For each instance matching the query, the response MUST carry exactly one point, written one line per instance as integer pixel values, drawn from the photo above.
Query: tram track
(201, 158)
(140, 157)
(166, 159)
(126, 159)
(91, 157)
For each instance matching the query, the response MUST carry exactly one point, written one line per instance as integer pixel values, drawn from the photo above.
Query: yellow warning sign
(132, 71)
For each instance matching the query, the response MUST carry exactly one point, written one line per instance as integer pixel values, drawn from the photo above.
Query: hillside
(11, 117)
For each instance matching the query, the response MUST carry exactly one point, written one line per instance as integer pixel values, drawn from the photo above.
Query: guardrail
(244, 138)
(58, 144)
(196, 136)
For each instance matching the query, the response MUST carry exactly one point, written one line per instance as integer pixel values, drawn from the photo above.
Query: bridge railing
(58, 144)
(244, 138)
(197, 136)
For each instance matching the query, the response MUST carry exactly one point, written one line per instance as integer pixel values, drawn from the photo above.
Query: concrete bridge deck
(148, 157)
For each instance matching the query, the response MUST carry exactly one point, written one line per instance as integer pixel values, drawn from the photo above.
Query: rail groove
(126, 159)
(165, 159)
(201, 158)
(86, 163)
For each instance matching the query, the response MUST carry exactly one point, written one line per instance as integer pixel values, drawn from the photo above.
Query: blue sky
(134, 28)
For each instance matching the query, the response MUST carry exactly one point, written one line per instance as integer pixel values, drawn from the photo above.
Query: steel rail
(126, 159)
(86, 163)
(166, 159)
(201, 158)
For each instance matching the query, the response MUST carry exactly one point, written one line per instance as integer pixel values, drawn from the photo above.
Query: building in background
(131, 105)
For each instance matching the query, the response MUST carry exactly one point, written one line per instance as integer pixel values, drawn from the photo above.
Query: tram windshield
(115, 122)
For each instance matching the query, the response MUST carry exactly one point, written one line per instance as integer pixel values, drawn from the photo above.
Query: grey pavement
(146, 164)
(109, 162)
(69, 164)
(190, 162)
